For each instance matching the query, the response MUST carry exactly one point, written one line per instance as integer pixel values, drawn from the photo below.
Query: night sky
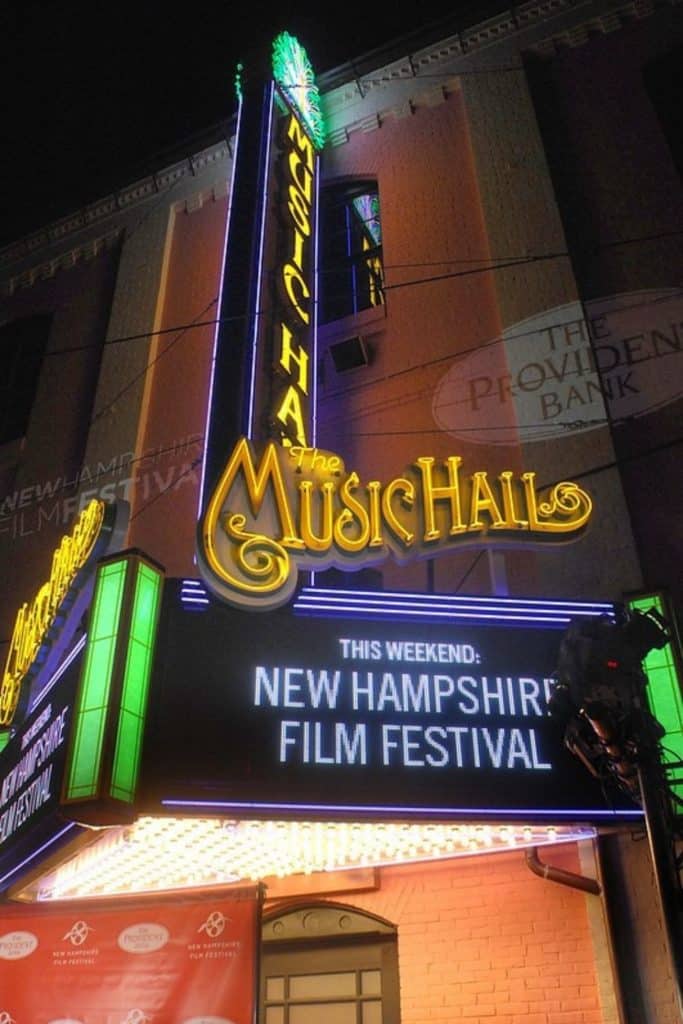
(93, 93)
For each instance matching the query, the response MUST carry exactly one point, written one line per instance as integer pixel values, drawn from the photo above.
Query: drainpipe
(535, 864)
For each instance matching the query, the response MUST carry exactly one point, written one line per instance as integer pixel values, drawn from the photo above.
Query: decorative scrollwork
(258, 557)
(566, 507)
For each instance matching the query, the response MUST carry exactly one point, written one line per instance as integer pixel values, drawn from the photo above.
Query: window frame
(348, 253)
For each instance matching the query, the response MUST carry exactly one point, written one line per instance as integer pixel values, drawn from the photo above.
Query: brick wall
(484, 939)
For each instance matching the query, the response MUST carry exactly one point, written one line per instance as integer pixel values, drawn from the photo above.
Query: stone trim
(132, 195)
(65, 261)
(410, 68)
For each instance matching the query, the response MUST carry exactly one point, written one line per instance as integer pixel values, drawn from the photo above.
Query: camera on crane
(600, 698)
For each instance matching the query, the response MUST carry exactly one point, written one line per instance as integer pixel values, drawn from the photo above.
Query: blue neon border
(396, 811)
(418, 607)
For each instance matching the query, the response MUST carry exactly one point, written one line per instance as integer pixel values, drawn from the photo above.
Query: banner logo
(78, 933)
(17, 945)
(136, 1017)
(143, 938)
(214, 924)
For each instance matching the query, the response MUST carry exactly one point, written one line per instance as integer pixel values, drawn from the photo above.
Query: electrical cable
(506, 263)
(181, 333)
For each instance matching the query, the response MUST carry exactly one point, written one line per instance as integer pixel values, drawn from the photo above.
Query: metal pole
(654, 798)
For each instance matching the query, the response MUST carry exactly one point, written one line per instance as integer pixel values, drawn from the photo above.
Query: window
(664, 81)
(331, 963)
(351, 250)
(22, 347)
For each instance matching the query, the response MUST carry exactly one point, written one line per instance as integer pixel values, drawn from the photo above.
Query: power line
(181, 333)
(160, 332)
(504, 263)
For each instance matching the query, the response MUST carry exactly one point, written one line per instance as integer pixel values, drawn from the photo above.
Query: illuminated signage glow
(35, 620)
(31, 769)
(262, 381)
(297, 508)
(294, 506)
(665, 694)
(292, 358)
(294, 75)
(341, 715)
(109, 717)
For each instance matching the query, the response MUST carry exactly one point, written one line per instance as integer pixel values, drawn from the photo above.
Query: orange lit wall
(441, 306)
(164, 510)
(483, 939)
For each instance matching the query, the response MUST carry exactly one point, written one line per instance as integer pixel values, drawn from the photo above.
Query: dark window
(351, 250)
(346, 974)
(22, 347)
(664, 83)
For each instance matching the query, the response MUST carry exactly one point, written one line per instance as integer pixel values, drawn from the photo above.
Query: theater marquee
(307, 714)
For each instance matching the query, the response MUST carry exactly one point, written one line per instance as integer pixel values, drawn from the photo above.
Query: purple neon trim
(444, 605)
(310, 594)
(58, 673)
(394, 809)
(219, 309)
(36, 853)
(431, 613)
(259, 273)
(400, 594)
(316, 285)
(383, 604)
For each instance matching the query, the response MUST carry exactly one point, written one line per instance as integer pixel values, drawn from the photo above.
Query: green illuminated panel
(664, 694)
(90, 715)
(136, 684)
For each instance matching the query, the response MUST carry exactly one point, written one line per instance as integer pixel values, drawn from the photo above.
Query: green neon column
(664, 690)
(109, 713)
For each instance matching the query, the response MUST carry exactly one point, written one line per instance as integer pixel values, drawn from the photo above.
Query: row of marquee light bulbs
(171, 853)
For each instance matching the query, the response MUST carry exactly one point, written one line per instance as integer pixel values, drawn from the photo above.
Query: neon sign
(280, 504)
(294, 74)
(36, 620)
(291, 357)
(298, 508)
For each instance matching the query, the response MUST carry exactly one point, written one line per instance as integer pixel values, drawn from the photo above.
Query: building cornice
(91, 220)
(360, 104)
(429, 75)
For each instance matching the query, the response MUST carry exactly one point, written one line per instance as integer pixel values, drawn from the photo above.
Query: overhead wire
(493, 264)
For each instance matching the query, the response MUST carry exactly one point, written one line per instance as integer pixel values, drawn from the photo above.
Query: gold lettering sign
(298, 508)
(34, 620)
(291, 391)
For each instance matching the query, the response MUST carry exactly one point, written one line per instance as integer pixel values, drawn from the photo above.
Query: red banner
(158, 962)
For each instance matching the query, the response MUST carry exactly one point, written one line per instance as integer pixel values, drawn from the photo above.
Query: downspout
(574, 881)
(594, 888)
